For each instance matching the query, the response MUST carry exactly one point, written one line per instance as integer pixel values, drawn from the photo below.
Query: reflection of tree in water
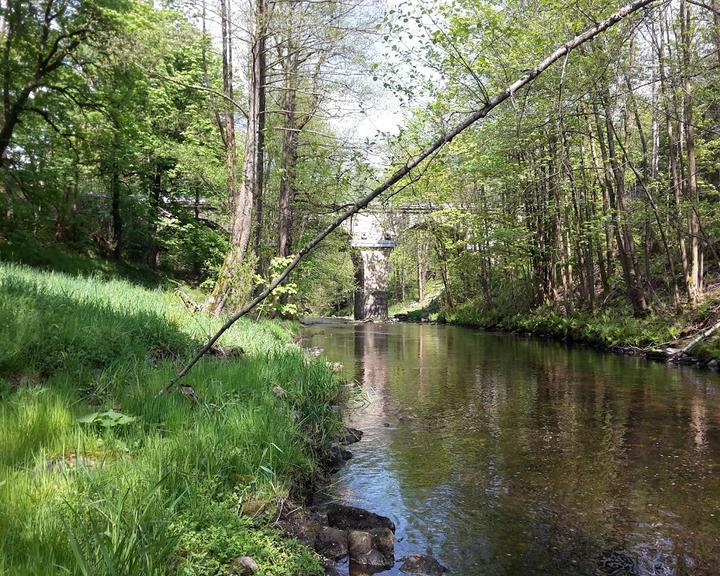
(522, 457)
(555, 449)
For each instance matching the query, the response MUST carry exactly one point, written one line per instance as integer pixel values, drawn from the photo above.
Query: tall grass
(160, 490)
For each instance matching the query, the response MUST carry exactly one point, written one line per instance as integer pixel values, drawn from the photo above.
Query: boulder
(302, 524)
(352, 518)
(331, 543)
(661, 354)
(384, 542)
(359, 543)
(337, 456)
(713, 364)
(373, 561)
(330, 569)
(243, 566)
(424, 565)
(373, 549)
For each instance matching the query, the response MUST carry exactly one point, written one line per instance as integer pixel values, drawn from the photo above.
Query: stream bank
(652, 338)
(100, 474)
(659, 336)
(502, 455)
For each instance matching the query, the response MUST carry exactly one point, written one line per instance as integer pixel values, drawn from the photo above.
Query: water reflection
(503, 455)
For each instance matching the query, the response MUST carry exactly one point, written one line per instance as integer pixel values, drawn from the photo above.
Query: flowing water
(504, 455)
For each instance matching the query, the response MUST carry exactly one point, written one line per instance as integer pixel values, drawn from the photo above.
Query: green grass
(21, 247)
(612, 327)
(154, 484)
(425, 309)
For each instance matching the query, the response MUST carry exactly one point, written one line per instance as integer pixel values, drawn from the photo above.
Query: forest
(209, 143)
(168, 167)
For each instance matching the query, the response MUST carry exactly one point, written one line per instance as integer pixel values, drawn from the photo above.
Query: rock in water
(359, 543)
(243, 566)
(424, 565)
(332, 543)
(337, 456)
(350, 436)
(351, 518)
(330, 569)
(384, 542)
(374, 549)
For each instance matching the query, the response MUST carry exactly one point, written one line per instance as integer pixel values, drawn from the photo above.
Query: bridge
(374, 233)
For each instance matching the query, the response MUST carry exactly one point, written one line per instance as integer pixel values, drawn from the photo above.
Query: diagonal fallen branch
(703, 335)
(412, 163)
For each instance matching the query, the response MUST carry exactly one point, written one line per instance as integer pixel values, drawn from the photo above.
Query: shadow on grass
(46, 329)
(23, 249)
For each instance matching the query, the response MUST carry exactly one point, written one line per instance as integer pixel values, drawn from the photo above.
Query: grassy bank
(613, 327)
(416, 311)
(99, 475)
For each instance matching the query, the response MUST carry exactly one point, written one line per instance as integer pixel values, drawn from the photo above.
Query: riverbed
(505, 455)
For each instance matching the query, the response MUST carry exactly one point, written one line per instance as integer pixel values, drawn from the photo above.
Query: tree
(234, 280)
(39, 38)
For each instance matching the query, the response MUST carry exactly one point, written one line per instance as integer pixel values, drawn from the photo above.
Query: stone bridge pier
(373, 235)
(372, 241)
(372, 269)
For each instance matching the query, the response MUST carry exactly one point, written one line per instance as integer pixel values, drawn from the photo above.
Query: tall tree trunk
(115, 208)
(117, 221)
(421, 254)
(230, 283)
(290, 142)
(694, 271)
(604, 237)
(153, 255)
(294, 123)
(260, 70)
(716, 27)
(623, 234)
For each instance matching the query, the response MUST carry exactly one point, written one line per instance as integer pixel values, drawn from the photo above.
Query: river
(504, 455)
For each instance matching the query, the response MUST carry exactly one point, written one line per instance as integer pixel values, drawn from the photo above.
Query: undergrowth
(101, 475)
(611, 327)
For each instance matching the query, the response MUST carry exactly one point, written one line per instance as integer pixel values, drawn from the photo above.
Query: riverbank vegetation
(161, 163)
(590, 193)
(101, 475)
(588, 208)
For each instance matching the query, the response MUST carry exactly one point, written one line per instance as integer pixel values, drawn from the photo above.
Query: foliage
(568, 212)
(207, 546)
(129, 164)
(134, 492)
(108, 419)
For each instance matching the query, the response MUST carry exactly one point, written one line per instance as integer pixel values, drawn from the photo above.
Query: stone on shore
(243, 566)
(373, 549)
(332, 543)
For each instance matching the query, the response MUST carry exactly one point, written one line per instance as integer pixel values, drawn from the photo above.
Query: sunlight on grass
(100, 475)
